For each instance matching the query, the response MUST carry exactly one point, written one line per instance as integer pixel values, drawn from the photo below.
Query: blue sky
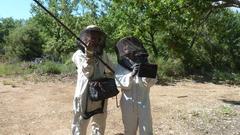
(18, 9)
(236, 9)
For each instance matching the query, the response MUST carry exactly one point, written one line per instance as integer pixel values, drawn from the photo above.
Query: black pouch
(101, 89)
(88, 114)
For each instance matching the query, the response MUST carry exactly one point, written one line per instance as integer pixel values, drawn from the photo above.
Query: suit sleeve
(84, 64)
(123, 78)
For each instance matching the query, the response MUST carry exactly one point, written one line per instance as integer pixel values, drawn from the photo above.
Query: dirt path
(30, 107)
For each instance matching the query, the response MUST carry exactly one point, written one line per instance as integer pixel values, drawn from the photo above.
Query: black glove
(135, 69)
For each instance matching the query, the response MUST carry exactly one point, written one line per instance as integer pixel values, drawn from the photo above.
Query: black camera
(147, 70)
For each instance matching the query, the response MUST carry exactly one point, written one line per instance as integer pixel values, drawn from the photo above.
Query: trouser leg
(98, 122)
(145, 121)
(79, 125)
(129, 117)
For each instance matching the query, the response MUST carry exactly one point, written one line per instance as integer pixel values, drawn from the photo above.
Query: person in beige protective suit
(135, 103)
(88, 67)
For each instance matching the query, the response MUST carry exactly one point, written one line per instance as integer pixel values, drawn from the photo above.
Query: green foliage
(225, 77)
(180, 29)
(24, 43)
(226, 111)
(6, 26)
(14, 69)
(48, 67)
(224, 41)
(51, 67)
(8, 69)
(169, 67)
(183, 37)
(57, 41)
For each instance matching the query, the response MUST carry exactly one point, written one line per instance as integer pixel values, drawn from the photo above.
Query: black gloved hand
(135, 69)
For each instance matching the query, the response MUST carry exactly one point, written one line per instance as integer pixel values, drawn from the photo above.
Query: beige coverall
(135, 103)
(86, 71)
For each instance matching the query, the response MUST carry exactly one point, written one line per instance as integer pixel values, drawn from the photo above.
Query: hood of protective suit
(94, 35)
(130, 51)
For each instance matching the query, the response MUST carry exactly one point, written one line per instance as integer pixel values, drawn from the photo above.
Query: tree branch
(226, 3)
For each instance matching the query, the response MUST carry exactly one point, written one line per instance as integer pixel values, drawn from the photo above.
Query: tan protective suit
(135, 103)
(85, 71)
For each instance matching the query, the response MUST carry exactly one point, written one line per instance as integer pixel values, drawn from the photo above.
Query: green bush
(51, 67)
(24, 43)
(48, 67)
(13, 69)
(225, 77)
(169, 67)
(68, 68)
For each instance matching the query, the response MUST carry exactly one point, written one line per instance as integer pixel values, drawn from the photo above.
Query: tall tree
(23, 43)
(57, 41)
(6, 26)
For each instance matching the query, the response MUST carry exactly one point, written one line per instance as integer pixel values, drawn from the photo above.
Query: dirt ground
(43, 107)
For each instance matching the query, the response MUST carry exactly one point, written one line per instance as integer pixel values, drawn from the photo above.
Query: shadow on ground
(232, 102)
